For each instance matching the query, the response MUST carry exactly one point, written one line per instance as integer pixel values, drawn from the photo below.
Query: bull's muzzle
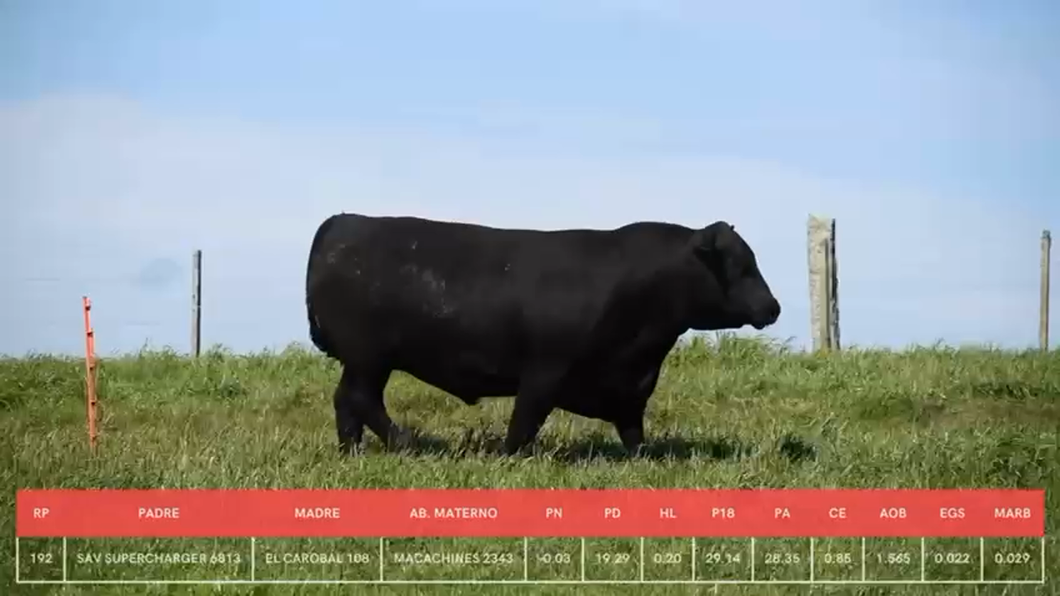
(767, 315)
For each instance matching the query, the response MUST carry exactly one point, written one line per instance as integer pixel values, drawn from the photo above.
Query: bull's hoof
(349, 449)
(527, 449)
(636, 451)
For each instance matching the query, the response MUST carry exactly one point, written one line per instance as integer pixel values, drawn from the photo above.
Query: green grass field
(728, 413)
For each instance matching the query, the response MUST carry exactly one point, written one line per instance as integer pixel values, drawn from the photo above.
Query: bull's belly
(590, 405)
(469, 377)
(606, 393)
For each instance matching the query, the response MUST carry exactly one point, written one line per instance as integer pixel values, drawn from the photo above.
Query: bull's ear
(707, 241)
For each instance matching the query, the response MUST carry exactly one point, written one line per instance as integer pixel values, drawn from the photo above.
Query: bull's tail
(316, 333)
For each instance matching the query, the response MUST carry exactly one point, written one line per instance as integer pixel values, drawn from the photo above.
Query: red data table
(793, 536)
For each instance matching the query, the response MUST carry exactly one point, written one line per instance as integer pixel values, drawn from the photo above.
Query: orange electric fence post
(90, 373)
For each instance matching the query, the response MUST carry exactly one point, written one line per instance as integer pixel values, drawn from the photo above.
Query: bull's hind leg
(528, 417)
(350, 428)
(359, 402)
(534, 402)
(629, 423)
(631, 432)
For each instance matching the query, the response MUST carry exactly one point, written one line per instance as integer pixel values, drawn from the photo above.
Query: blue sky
(134, 132)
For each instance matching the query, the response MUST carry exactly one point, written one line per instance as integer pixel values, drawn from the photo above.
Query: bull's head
(729, 289)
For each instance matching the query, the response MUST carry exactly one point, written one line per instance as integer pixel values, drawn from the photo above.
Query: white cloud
(101, 187)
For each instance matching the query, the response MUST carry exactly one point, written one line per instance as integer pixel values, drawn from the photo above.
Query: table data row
(532, 559)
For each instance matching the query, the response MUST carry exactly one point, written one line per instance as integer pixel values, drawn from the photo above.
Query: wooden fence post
(824, 283)
(1043, 308)
(90, 373)
(196, 301)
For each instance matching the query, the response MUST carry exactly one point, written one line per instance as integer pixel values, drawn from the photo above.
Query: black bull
(579, 320)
